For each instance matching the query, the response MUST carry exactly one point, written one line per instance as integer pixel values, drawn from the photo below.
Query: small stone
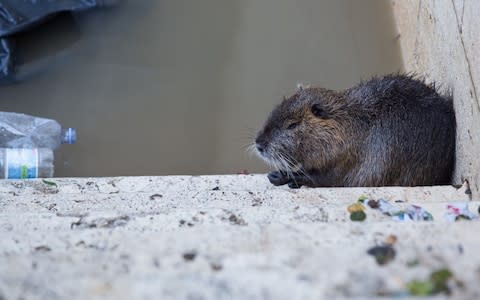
(373, 204)
(358, 216)
(216, 266)
(382, 254)
(391, 239)
(189, 256)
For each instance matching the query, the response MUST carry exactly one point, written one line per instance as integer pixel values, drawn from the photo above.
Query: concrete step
(220, 237)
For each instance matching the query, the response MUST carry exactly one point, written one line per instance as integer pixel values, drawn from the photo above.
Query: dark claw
(278, 178)
(294, 185)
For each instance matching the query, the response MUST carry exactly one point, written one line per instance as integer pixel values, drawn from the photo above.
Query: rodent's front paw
(278, 178)
(294, 185)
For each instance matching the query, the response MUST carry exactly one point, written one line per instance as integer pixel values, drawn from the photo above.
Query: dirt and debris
(257, 202)
(216, 188)
(50, 183)
(189, 256)
(42, 249)
(113, 222)
(46, 187)
(184, 222)
(437, 283)
(383, 254)
(216, 266)
(155, 196)
(459, 211)
(234, 219)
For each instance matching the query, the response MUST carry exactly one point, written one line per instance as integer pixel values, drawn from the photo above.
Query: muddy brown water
(180, 87)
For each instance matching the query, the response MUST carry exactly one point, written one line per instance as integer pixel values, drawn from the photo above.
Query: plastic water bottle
(24, 163)
(27, 144)
(24, 131)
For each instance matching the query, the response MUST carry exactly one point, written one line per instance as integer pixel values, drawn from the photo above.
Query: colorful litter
(459, 211)
(436, 283)
(411, 213)
(358, 215)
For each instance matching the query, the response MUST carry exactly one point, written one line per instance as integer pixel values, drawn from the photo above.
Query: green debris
(462, 217)
(382, 254)
(358, 216)
(356, 210)
(420, 288)
(362, 198)
(50, 183)
(440, 279)
(437, 283)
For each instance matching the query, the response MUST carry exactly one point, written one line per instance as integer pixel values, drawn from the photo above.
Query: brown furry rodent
(392, 130)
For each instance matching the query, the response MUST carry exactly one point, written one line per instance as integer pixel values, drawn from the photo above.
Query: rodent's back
(411, 133)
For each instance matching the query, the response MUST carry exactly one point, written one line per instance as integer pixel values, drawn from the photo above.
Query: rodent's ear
(318, 111)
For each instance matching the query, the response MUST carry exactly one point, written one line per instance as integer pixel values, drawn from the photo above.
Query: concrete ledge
(218, 237)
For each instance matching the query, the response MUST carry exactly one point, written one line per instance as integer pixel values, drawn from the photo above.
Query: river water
(157, 87)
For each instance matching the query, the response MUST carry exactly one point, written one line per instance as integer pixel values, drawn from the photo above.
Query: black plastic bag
(20, 15)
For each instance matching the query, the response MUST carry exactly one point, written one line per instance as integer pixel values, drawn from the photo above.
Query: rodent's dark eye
(318, 111)
(292, 125)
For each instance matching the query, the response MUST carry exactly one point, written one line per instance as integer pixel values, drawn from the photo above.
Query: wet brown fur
(393, 130)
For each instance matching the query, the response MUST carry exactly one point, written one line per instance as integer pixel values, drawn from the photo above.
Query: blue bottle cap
(69, 136)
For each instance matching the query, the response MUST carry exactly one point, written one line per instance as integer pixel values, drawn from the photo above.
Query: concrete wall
(440, 39)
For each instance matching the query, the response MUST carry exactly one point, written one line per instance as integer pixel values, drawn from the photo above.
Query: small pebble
(382, 254)
(189, 256)
(391, 239)
(373, 203)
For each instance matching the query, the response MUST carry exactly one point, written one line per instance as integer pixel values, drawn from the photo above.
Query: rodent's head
(305, 131)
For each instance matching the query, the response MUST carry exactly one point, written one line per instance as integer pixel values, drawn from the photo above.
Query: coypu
(391, 130)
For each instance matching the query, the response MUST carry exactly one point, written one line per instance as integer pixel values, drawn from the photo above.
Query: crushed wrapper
(459, 211)
(411, 213)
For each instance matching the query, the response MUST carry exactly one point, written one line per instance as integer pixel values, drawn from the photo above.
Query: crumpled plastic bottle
(27, 144)
(25, 131)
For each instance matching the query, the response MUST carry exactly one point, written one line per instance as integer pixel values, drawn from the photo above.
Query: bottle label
(21, 163)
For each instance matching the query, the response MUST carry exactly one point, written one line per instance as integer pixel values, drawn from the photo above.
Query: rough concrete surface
(441, 41)
(221, 237)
